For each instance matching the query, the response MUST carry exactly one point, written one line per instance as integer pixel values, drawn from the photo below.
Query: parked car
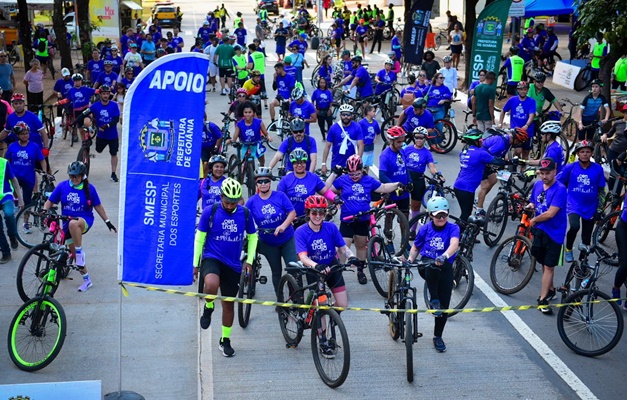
(166, 13)
(271, 5)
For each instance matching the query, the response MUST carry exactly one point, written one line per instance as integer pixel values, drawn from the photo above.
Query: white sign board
(565, 74)
(80, 390)
(517, 9)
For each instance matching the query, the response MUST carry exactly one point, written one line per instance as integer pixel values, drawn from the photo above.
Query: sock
(209, 305)
(226, 331)
(86, 277)
(80, 257)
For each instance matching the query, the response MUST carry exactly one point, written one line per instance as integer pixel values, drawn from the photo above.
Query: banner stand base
(123, 395)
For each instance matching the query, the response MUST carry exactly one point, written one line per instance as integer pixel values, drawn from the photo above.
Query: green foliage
(607, 16)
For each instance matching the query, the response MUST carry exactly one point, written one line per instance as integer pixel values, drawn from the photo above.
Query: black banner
(416, 29)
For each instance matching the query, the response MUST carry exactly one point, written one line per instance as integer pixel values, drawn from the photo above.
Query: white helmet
(552, 127)
(389, 61)
(346, 108)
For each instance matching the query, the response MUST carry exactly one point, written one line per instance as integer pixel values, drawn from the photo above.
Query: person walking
(7, 78)
(33, 80)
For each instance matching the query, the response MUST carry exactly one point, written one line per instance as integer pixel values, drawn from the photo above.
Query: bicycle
(226, 131)
(599, 153)
(589, 329)
(47, 120)
(281, 126)
(389, 33)
(31, 233)
(329, 339)
(248, 284)
(436, 188)
(440, 141)
(584, 77)
(84, 154)
(569, 126)
(242, 169)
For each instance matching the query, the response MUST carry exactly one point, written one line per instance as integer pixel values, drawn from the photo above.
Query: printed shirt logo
(229, 226)
(357, 188)
(73, 198)
(249, 134)
(436, 243)
(268, 210)
(319, 245)
(583, 179)
(300, 189)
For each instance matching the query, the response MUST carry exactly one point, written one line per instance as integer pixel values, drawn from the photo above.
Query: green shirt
(483, 94)
(620, 69)
(259, 61)
(225, 53)
(540, 97)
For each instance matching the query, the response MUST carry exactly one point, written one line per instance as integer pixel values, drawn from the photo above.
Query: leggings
(587, 226)
(621, 243)
(273, 254)
(440, 284)
(324, 119)
(466, 201)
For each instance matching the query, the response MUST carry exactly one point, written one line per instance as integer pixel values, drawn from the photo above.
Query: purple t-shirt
(520, 110)
(387, 78)
(320, 246)
(63, 86)
(356, 195)
(298, 189)
(417, 159)
(104, 114)
(497, 145)
(472, 162)
(322, 99)
(364, 85)
(289, 145)
(107, 79)
(34, 125)
(23, 160)
(95, 68)
(556, 152)
(583, 188)
(210, 135)
(249, 133)
(74, 202)
(269, 214)
(555, 196)
(210, 191)
(412, 121)
(337, 136)
(393, 165)
(80, 97)
(304, 111)
(370, 130)
(433, 242)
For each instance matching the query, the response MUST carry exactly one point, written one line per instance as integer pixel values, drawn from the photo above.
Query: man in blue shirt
(106, 117)
(522, 110)
(283, 84)
(359, 78)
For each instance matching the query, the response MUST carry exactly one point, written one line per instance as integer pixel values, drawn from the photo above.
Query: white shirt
(210, 51)
(450, 78)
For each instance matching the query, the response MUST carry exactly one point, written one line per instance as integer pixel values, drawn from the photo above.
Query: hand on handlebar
(440, 260)
(323, 268)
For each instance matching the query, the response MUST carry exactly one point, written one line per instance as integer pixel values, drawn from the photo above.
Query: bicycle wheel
(277, 132)
(83, 156)
(32, 270)
(570, 130)
(50, 129)
(394, 302)
(387, 124)
(315, 77)
(512, 265)
(250, 179)
(36, 334)
(438, 42)
(30, 226)
(14, 56)
(446, 139)
(290, 318)
(234, 168)
(377, 254)
(387, 33)
(600, 155)
(409, 342)
(590, 329)
(565, 144)
(463, 283)
(583, 79)
(246, 290)
(604, 235)
(496, 220)
(393, 225)
(330, 347)
(502, 88)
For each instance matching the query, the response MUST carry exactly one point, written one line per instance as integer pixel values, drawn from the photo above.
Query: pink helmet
(354, 163)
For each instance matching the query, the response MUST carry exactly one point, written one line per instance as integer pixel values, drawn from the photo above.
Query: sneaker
(551, 295)
(439, 345)
(114, 177)
(86, 285)
(5, 258)
(480, 213)
(327, 350)
(616, 295)
(14, 243)
(205, 320)
(568, 257)
(214, 89)
(435, 305)
(547, 310)
(273, 127)
(26, 228)
(361, 277)
(225, 346)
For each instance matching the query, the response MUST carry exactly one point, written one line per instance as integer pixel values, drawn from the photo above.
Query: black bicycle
(30, 227)
(248, 285)
(242, 169)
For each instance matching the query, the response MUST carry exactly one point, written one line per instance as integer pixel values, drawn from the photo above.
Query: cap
(303, 35)
(65, 72)
(547, 164)
(624, 108)
(114, 47)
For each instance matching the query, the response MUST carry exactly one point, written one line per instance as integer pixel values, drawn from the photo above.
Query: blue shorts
(66, 230)
(368, 158)
(280, 49)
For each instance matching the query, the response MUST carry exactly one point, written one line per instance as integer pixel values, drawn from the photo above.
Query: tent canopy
(534, 8)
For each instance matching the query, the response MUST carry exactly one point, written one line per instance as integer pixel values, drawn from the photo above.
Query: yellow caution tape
(378, 310)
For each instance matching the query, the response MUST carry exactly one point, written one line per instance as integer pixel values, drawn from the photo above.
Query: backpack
(290, 142)
(214, 208)
(42, 45)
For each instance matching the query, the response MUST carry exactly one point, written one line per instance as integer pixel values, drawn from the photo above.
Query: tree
(469, 28)
(610, 17)
(61, 33)
(84, 28)
(25, 32)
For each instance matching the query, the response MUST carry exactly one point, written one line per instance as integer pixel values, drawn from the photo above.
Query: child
(120, 93)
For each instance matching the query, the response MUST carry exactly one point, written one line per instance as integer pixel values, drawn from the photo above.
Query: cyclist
(302, 108)
(415, 116)
(38, 133)
(385, 78)
(254, 89)
(345, 139)
(78, 199)
(437, 241)
(540, 93)
(298, 140)
(585, 196)
(371, 130)
(61, 87)
(80, 97)
(522, 110)
(236, 108)
(355, 190)
(7, 203)
(515, 67)
(548, 197)
(322, 98)
(108, 77)
(473, 159)
(301, 184)
(95, 66)
(549, 47)
(257, 63)
(211, 140)
(326, 69)
(589, 111)
(133, 60)
(621, 241)
(209, 190)
(106, 115)
(217, 248)
(251, 129)
(359, 78)
(272, 210)
(439, 98)
(549, 131)
(283, 84)
(392, 168)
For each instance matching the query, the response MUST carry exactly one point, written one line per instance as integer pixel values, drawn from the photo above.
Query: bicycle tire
(496, 220)
(378, 252)
(387, 124)
(448, 138)
(50, 129)
(438, 42)
(398, 234)
(569, 128)
(502, 88)
(600, 155)
(20, 330)
(290, 318)
(579, 325)
(393, 297)
(84, 157)
(512, 263)
(14, 56)
(387, 33)
(65, 125)
(32, 269)
(315, 77)
(250, 179)
(330, 326)
(409, 342)
(565, 144)
(568, 288)
(463, 285)
(602, 232)
(278, 133)
(234, 168)
(246, 283)
(73, 137)
(583, 79)
(36, 225)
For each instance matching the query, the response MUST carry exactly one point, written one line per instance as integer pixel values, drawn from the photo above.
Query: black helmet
(263, 172)
(539, 76)
(76, 168)
(597, 82)
(297, 125)
(420, 102)
(472, 136)
(105, 88)
(218, 158)
(514, 50)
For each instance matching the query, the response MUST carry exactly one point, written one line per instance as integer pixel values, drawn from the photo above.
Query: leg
(361, 245)
(466, 200)
(9, 216)
(547, 280)
(273, 255)
(571, 235)
(486, 186)
(4, 245)
(587, 225)
(445, 288)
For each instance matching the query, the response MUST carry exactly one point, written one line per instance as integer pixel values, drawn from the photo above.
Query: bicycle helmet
(297, 93)
(520, 135)
(357, 59)
(420, 103)
(255, 72)
(472, 135)
(20, 127)
(395, 132)
(231, 189)
(105, 88)
(242, 91)
(539, 76)
(552, 128)
(447, 59)
(389, 61)
(522, 85)
(77, 77)
(346, 108)
(17, 97)
(597, 82)
(437, 204)
(421, 130)
(297, 125)
(298, 154)
(107, 41)
(263, 172)
(76, 168)
(584, 144)
(354, 163)
(218, 158)
(316, 201)
(108, 62)
(514, 50)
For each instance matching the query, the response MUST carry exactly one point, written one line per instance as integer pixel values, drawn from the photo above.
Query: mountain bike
(280, 128)
(47, 119)
(242, 169)
(329, 339)
(584, 77)
(436, 187)
(31, 229)
(248, 284)
(84, 154)
(590, 329)
(389, 33)
(442, 140)
(569, 126)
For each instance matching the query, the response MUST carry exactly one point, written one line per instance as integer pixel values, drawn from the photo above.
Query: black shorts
(401, 204)
(357, 228)
(546, 251)
(225, 72)
(511, 89)
(338, 42)
(487, 171)
(114, 145)
(361, 39)
(456, 48)
(229, 278)
(420, 187)
(335, 280)
(79, 118)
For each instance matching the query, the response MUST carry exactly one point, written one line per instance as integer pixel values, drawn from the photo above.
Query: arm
(20, 196)
(288, 221)
(490, 109)
(314, 162)
(325, 155)
(44, 137)
(277, 157)
(360, 148)
(388, 187)
(545, 216)
(103, 214)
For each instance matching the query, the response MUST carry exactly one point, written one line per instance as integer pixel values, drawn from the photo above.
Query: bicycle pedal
(263, 280)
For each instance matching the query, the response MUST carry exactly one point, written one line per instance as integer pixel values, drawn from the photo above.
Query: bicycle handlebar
(299, 267)
(372, 210)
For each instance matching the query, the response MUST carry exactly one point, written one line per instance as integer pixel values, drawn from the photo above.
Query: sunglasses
(75, 176)
(345, 115)
(419, 137)
(440, 77)
(439, 216)
(263, 181)
(241, 95)
(422, 76)
(298, 132)
(318, 211)
(300, 162)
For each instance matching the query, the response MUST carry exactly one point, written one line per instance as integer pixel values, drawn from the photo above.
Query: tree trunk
(25, 32)
(61, 32)
(469, 28)
(84, 28)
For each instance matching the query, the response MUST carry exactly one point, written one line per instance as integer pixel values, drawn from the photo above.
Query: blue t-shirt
(298, 189)
(74, 202)
(356, 195)
(240, 33)
(149, 47)
(393, 165)
(23, 160)
(175, 44)
(210, 191)
(127, 83)
(6, 70)
(95, 68)
(433, 242)
(338, 136)
(63, 86)
(438, 93)
(210, 135)
(556, 152)
(203, 34)
(34, 125)
(304, 111)
(107, 79)
(269, 214)
(284, 85)
(320, 246)
(225, 237)
(412, 121)
(387, 78)
(302, 46)
(361, 30)
(289, 145)
(520, 111)
(370, 130)
(322, 99)
(497, 145)
(291, 71)
(590, 107)
(104, 114)
(326, 72)
(80, 97)
(281, 40)
(555, 196)
(396, 47)
(417, 159)
(583, 188)
(472, 162)
(364, 85)
(117, 64)
(347, 68)
(249, 134)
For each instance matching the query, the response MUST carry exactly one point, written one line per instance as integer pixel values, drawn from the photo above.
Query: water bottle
(584, 284)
